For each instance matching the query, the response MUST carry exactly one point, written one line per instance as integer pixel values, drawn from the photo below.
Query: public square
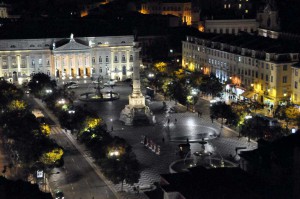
(166, 135)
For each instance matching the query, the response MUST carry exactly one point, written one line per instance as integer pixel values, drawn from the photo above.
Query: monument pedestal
(136, 112)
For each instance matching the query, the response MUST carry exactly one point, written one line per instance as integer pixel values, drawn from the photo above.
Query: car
(110, 83)
(59, 195)
(73, 86)
(71, 82)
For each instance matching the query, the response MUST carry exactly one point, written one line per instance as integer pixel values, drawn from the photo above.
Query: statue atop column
(136, 111)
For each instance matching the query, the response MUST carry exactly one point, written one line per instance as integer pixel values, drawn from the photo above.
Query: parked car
(110, 83)
(73, 86)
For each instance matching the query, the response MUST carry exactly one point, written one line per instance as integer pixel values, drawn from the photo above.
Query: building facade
(260, 65)
(67, 58)
(233, 26)
(183, 10)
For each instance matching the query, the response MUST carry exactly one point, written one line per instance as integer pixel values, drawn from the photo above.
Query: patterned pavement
(187, 125)
(168, 135)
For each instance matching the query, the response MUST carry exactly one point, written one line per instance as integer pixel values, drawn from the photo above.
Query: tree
(45, 129)
(178, 91)
(196, 79)
(161, 67)
(39, 83)
(259, 127)
(8, 92)
(15, 105)
(223, 111)
(288, 114)
(122, 169)
(211, 85)
(52, 156)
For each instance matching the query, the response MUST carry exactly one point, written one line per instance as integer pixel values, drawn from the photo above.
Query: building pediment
(72, 45)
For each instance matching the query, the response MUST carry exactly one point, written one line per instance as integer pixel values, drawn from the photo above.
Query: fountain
(98, 96)
(202, 157)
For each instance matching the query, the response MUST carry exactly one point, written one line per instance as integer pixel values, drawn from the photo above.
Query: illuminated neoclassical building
(261, 66)
(108, 57)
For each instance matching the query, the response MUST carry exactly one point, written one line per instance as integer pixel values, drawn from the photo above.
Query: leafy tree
(8, 92)
(39, 82)
(223, 111)
(52, 156)
(15, 105)
(258, 127)
(161, 67)
(179, 74)
(287, 113)
(124, 168)
(45, 129)
(178, 91)
(211, 85)
(196, 79)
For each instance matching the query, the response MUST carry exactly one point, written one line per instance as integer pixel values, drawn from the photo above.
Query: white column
(136, 71)
(112, 65)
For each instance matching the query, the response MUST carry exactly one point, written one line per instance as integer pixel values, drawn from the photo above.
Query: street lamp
(71, 112)
(48, 91)
(61, 101)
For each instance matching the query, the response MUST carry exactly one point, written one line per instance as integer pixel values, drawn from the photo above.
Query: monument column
(136, 111)
(136, 71)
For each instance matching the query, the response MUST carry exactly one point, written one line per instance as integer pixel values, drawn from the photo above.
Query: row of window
(165, 8)
(227, 30)
(32, 46)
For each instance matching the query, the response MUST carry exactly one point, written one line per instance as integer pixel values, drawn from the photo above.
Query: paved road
(77, 178)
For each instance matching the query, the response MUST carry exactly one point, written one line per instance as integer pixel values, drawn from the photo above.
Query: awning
(248, 94)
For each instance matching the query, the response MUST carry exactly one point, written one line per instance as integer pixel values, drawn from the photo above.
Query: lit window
(240, 6)
(246, 11)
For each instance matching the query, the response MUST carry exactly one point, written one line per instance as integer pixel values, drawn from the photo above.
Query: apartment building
(261, 66)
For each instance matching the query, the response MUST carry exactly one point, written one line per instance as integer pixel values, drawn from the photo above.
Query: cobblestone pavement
(188, 126)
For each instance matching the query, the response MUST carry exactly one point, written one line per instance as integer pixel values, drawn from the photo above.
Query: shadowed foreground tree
(223, 111)
(121, 164)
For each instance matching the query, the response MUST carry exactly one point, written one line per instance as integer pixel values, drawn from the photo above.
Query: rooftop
(215, 183)
(253, 42)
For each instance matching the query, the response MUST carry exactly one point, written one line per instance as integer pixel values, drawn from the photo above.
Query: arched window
(106, 59)
(123, 58)
(116, 58)
(131, 58)
(100, 59)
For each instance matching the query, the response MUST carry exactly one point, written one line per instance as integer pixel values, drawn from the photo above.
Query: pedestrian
(187, 140)
(112, 128)
(168, 121)
(163, 140)
(200, 114)
(175, 120)
(212, 118)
